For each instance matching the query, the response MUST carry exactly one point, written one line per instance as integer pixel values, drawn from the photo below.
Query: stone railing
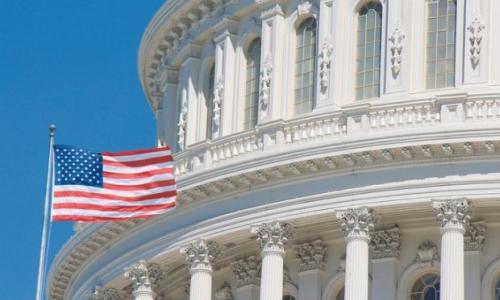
(354, 122)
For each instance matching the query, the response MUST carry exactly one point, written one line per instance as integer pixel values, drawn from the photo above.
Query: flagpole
(48, 194)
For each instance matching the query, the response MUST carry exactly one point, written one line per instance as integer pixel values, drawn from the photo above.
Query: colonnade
(357, 225)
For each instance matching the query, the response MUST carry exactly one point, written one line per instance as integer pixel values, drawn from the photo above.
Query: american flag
(97, 187)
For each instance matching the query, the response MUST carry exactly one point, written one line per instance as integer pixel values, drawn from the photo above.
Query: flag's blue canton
(77, 166)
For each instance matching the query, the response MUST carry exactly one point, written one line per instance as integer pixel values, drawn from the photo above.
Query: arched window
(305, 63)
(441, 33)
(252, 84)
(209, 98)
(340, 295)
(368, 51)
(497, 290)
(426, 288)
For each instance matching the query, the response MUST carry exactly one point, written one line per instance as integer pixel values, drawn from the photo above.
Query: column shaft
(272, 276)
(201, 285)
(356, 273)
(452, 265)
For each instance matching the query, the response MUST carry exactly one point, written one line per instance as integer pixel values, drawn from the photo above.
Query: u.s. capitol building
(325, 150)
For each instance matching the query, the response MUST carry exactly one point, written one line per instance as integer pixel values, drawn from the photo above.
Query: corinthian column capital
(273, 236)
(311, 255)
(357, 223)
(247, 271)
(201, 254)
(453, 214)
(138, 274)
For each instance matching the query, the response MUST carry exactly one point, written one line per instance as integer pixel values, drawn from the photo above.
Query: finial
(52, 129)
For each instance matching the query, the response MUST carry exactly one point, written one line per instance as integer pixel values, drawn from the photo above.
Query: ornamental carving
(181, 126)
(385, 243)
(217, 104)
(247, 271)
(356, 222)
(304, 8)
(396, 40)
(453, 213)
(265, 83)
(476, 29)
(138, 274)
(201, 254)
(156, 274)
(105, 293)
(475, 236)
(325, 59)
(427, 253)
(273, 236)
(224, 293)
(311, 255)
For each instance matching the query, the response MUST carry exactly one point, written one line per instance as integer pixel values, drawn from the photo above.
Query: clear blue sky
(72, 63)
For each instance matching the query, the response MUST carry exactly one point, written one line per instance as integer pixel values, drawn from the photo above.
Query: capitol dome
(325, 150)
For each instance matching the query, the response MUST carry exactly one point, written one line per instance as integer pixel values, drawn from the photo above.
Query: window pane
(252, 85)
(209, 98)
(441, 23)
(426, 287)
(305, 66)
(368, 51)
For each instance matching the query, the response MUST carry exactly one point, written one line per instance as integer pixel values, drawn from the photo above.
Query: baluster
(373, 119)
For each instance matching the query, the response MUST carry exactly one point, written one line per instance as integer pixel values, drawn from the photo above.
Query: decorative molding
(385, 243)
(138, 274)
(304, 8)
(311, 255)
(453, 214)
(269, 12)
(217, 102)
(427, 254)
(357, 222)
(224, 293)
(181, 126)
(156, 274)
(396, 40)
(476, 29)
(105, 293)
(475, 236)
(265, 83)
(273, 236)
(247, 271)
(325, 59)
(201, 254)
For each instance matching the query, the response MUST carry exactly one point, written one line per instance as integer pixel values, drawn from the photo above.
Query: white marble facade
(325, 150)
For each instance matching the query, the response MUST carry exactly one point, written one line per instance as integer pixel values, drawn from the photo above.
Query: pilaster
(247, 275)
(224, 94)
(474, 239)
(385, 246)
(272, 61)
(311, 258)
(192, 67)
(476, 41)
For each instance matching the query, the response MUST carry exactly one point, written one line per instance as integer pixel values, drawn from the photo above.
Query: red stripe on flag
(134, 152)
(113, 208)
(61, 194)
(137, 175)
(138, 163)
(98, 219)
(138, 187)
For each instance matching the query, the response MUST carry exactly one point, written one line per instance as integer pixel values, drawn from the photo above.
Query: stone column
(274, 238)
(385, 259)
(311, 258)
(356, 224)
(141, 278)
(453, 216)
(474, 239)
(200, 256)
(246, 272)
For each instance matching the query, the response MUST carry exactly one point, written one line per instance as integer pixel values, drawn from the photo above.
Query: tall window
(340, 295)
(368, 52)
(426, 288)
(497, 290)
(252, 84)
(305, 66)
(209, 98)
(441, 32)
